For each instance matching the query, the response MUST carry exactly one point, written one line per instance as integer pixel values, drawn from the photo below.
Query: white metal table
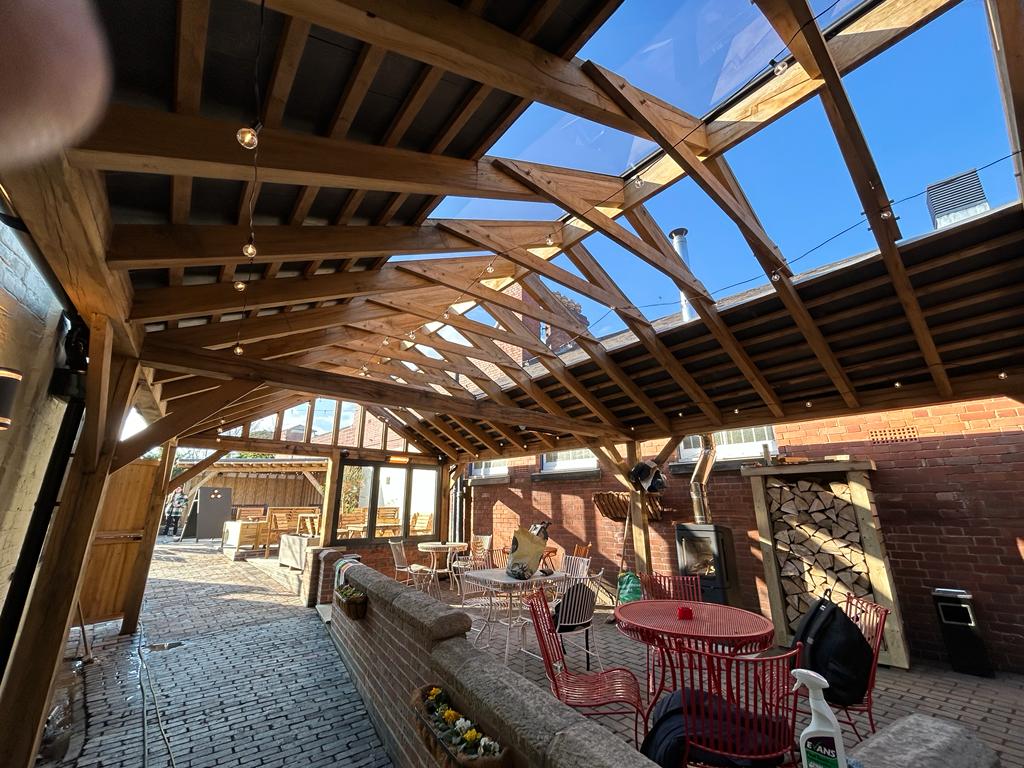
(496, 581)
(435, 548)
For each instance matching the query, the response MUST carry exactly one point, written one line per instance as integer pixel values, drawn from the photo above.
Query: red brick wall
(948, 503)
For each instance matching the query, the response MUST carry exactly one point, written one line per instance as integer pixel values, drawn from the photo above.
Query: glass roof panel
(694, 54)
(918, 134)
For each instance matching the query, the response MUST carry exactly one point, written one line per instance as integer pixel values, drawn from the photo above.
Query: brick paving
(993, 708)
(256, 680)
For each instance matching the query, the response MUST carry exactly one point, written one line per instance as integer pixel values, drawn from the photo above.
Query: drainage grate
(897, 435)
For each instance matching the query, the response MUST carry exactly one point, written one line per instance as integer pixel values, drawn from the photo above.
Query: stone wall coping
(429, 619)
(923, 741)
(809, 467)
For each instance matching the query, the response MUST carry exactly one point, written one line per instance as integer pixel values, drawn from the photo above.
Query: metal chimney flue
(699, 480)
(678, 238)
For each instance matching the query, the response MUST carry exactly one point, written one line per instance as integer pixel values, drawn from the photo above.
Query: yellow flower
(450, 716)
(433, 693)
(470, 736)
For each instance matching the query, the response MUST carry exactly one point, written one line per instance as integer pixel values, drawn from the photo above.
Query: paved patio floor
(994, 708)
(256, 680)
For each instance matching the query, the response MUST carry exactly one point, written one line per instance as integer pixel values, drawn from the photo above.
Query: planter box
(446, 754)
(354, 607)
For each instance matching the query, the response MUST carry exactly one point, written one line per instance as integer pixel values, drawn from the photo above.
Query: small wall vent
(896, 435)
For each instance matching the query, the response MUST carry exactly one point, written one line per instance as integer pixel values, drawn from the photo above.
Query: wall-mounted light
(9, 379)
(398, 459)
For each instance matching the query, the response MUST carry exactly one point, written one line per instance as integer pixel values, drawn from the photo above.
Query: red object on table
(716, 628)
(684, 612)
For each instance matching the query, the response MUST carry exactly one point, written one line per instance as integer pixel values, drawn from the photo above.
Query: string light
(886, 215)
(412, 335)
(1003, 375)
(249, 249)
(238, 349)
(249, 135)
(736, 411)
(638, 182)
(897, 384)
(490, 269)
(808, 404)
(549, 240)
(778, 67)
(239, 286)
(776, 276)
(387, 341)
(445, 314)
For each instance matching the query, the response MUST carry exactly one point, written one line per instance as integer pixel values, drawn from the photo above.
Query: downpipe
(699, 480)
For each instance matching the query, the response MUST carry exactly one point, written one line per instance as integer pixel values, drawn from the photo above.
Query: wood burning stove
(707, 551)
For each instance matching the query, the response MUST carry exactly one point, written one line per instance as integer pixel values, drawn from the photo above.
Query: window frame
(546, 468)
(371, 511)
(726, 451)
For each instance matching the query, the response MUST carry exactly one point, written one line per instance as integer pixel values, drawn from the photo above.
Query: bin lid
(963, 594)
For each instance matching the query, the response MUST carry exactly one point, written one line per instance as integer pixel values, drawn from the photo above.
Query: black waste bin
(965, 646)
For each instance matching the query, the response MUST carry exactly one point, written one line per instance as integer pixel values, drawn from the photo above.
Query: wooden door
(118, 540)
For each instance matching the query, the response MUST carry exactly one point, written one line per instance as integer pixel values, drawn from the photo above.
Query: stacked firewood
(817, 542)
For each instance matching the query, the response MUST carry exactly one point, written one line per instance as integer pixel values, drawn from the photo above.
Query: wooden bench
(352, 525)
(282, 520)
(257, 514)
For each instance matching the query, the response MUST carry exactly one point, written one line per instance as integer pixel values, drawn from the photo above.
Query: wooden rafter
(1006, 23)
(793, 19)
(194, 471)
(454, 39)
(138, 139)
(409, 424)
(190, 54)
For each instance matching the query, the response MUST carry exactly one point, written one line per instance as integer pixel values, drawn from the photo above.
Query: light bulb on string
(387, 341)
(412, 335)
(490, 269)
(638, 183)
(249, 135)
(549, 240)
(776, 277)
(445, 315)
(886, 215)
(238, 349)
(239, 286)
(249, 249)
(808, 404)
(778, 67)
(897, 384)
(1003, 375)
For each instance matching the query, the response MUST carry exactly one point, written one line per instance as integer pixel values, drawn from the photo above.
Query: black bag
(835, 648)
(666, 740)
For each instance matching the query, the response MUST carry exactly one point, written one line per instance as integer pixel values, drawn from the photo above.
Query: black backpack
(835, 648)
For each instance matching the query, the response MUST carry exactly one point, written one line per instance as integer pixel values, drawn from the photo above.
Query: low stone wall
(408, 640)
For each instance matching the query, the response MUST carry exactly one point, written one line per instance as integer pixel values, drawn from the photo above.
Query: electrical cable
(144, 666)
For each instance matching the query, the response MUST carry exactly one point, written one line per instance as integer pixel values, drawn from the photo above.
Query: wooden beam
(320, 488)
(479, 433)
(1006, 24)
(590, 267)
(647, 228)
(548, 187)
(150, 246)
(190, 54)
(26, 690)
(451, 433)
(136, 588)
(306, 380)
(497, 244)
(638, 517)
(143, 140)
(410, 434)
(331, 509)
(97, 395)
(179, 420)
(455, 40)
(637, 104)
(668, 450)
(783, 285)
(788, 15)
(194, 471)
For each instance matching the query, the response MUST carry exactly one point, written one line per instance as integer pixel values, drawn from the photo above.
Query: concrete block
(921, 741)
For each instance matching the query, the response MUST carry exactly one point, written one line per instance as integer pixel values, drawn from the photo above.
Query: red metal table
(714, 627)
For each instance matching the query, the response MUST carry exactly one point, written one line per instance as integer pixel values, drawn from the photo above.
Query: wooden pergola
(374, 110)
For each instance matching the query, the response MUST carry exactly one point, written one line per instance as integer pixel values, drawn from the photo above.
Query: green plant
(348, 592)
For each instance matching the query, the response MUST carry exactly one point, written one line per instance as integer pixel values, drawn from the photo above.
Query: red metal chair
(586, 691)
(738, 706)
(870, 617)
(663, 586)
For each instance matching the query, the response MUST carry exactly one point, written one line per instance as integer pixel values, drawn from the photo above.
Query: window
(263, 429)
(348, 424)
(383, 501)
(568, 461)
(489, 468)
(323, 420)
(293, 424)
(742, 443)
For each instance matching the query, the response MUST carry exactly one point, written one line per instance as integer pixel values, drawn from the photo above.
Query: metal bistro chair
(589, 692)
(870, 617)
(575, 567)
(581, 550)
(664, 586)
(737, 707)
(404, 572)
(574, 612)
(477, 558)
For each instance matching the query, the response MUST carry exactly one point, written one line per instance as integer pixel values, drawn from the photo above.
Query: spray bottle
(821, 743)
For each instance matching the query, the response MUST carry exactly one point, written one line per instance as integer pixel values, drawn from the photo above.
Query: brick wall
(408, 640)
(29, 316)
(948, 501)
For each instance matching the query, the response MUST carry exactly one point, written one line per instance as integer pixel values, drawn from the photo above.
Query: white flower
(488, 746)
(462, 725)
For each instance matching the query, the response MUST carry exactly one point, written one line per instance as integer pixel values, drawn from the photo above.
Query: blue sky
(930, 108)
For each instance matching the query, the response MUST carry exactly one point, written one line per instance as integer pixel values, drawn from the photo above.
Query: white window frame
(489, 468)
(743, 443)
(549, 462)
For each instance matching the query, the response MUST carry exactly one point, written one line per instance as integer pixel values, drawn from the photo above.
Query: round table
(714, 627)
(434, 548)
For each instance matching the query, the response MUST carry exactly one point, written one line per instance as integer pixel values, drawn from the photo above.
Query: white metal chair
(404, 572)
(575, 567)
(477, 558)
